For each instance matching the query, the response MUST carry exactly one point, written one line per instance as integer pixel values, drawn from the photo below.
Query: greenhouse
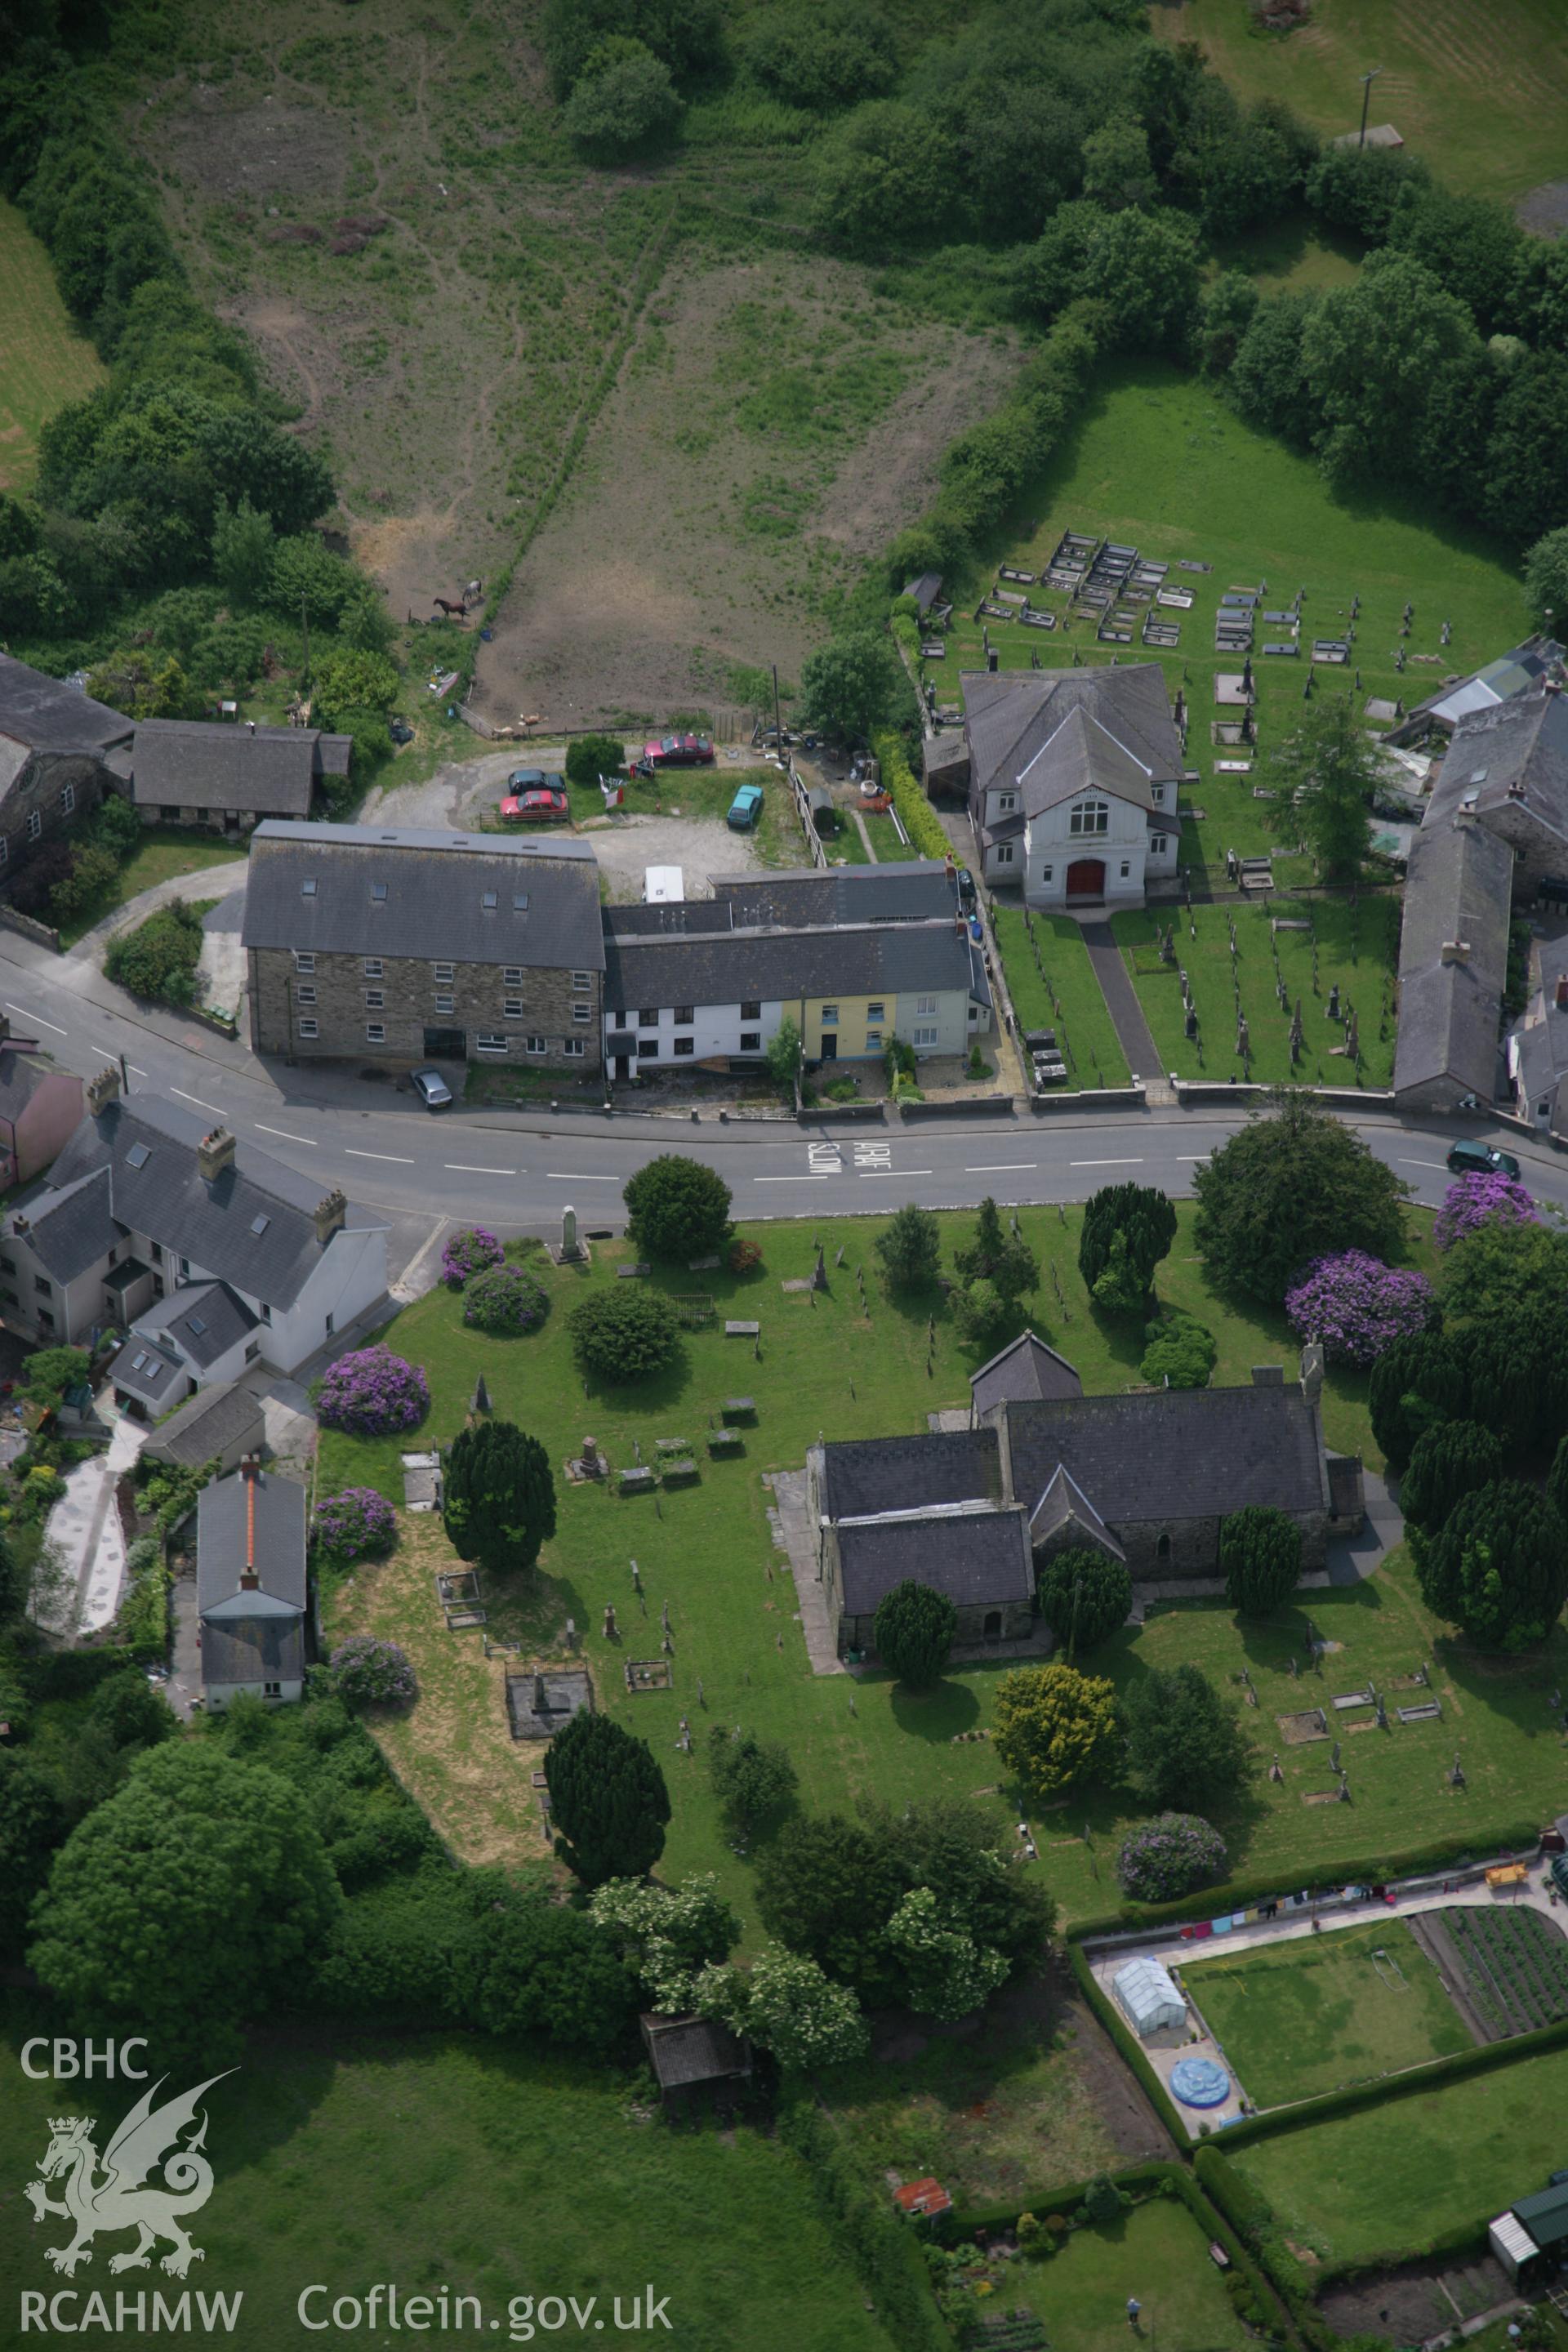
(1147, 1995)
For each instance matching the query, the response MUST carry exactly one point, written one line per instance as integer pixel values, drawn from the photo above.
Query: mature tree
(1084, 1597)
(689, 35)
(677, 1208)
(1228, 306)
(497, 1496)
(1289, 1187)
(1447, 1462)
(1471, 246)
(913, 1632)
(51, 1372)
(1526, 464)
(1418, 1384)
(607, 1799)
(753, 1779)
(850, 685)
(1142, 268)
(981, 1313)
(883, 177)
(947, 1973)
(1184, 1743)
(624, 1334)
(1266, 381)
(243, 547)
(16, 1582)
(828, 55)
(624, 101)
(1145, 1220)
(130, 1713)
(1497, 1568)
(1516, 1362)
(666, 1935)
(827, 1888)
(786, 2004)
(589, 757)
(967, 1861)
(1503, 1265)
(1323, 774)
(186, 1902)
(1557, 1482)
(1054, 1726)
(534, 1967)
(909, 1246)
(1380, 356)
(1117, 172)
(1180, 1351)
(993, 1255)
(784, 1056)
(1546, 580)
(1260, 1553)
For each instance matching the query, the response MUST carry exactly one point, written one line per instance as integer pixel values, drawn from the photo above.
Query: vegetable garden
(1516, 1966)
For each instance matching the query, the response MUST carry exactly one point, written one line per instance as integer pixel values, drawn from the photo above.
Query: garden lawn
(1161, 462)
(709, 1551)
(1311, 2015)
(1157, 2252)
(44, 361)
(1355, 946)
(1479, 94)
(163, 852)
(450, 2163)
(1060, 992)
(1391, 2177)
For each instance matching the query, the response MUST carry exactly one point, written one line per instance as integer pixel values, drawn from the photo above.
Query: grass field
(1313, 2014)
(44, 361)
(1394, 2175)
(1481, 93)
(448, 2163)
(1159, 462)
(1060, 992)
(1158, 2253)
(707, 1550)
(163, 852)
(1355, 948)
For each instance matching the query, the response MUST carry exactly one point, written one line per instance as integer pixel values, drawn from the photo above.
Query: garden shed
(1147, 1995)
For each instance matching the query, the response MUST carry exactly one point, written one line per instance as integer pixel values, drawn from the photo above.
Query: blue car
(745, 808)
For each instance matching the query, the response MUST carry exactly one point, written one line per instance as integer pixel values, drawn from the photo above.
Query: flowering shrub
(469, 1253)
(1169, 1857)
(358, 1524)
(371, 1392)
(1358, 1307)
(745, 1256)
(504, 1298)
(369, 1672)
(1477, 1200)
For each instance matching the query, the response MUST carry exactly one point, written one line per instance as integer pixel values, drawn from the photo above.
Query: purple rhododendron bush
(469, 1253)
(1358, 1307)
(370, 1672)
(1477, 1200)
(358, 1524)
(371, 1392)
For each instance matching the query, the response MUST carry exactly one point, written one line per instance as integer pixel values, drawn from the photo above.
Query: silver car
(431, 1088)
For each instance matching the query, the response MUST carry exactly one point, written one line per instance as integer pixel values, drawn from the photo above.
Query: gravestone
(570, 1246)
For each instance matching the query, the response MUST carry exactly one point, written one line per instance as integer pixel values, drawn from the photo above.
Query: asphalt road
(517, 1171)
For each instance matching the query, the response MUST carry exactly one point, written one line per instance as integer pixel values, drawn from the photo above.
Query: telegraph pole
(1366, 82)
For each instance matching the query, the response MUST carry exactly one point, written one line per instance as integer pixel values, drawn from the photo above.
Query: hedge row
(1128, 2043)
(909, 797)
(884, 2251)
(1459, 1852)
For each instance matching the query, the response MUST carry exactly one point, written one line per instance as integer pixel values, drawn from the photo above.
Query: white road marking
(1424, 1164)
(395, 1157)
(1105, 1164)
(465, 1167)
(566, 1176)
(1002, 1167)
(789, 1179)
(38, 1018)
(198, 1100)
(134, 1071)
(112, 1051)
(1190, 1158)
(866, 1172)
(283, 1132)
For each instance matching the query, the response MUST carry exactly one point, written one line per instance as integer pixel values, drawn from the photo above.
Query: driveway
(84, 1526)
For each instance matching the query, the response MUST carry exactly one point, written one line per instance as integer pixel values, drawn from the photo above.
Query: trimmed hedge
(884, 2250)
(909, 797)
(1127, 2043)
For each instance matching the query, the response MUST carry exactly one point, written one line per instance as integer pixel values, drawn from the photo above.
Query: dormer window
(1006, 803)
(1090, 817)
(1160, 795)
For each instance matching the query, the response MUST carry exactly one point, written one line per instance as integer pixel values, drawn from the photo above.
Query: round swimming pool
(1199, 2082)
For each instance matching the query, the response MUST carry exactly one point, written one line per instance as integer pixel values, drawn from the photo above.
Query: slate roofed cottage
(251, 1586)
(228, 774)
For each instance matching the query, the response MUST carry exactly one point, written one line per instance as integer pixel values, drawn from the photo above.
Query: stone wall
(39, 791)
(340, 996)
(1157, 1550)
(1010, 1620)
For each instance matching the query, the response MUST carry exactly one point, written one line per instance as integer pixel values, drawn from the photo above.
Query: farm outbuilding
(1147, 1995)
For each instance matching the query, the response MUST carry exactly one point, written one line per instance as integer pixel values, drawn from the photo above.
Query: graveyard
(828, 1363)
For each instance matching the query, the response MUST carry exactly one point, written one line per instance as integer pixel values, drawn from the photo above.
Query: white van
(663, 885)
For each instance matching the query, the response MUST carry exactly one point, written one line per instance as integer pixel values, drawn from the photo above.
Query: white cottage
(1073, 781)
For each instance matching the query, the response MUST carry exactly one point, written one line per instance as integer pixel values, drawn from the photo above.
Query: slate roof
(1172, 1453)
(1025, 1367)
(253, 1650)
(864, 1475)
(149, 1370)
(669, 917)
(1063, 1505)
(213, 1422)
(203, 764)
(546, 912)
(45, 715)
(1122, 729)
(202, 1320)
(864, 960)
(977, 1555)
(1458, 882)
(223, 1538)
(1523, 742)
(21, 1075)
(800, 898)
(97, 1195)
(687, 2049)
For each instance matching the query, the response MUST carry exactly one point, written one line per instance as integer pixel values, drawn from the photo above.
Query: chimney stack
(1268, 1376)
(1456, 951)
(250, 1470)
(1562, 989)
(215, 1152)
(102, 1090)
(1312, 1371)
(331, 1216)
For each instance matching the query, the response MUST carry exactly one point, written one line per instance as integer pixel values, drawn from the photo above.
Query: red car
(539, 804)
(676, 751)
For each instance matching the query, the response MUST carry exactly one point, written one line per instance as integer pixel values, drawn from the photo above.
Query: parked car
(431, 1088)
(677, 751)
(539, 804)
(966, 889)
(745, 808)
(528, 780)
(1474, 1159)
